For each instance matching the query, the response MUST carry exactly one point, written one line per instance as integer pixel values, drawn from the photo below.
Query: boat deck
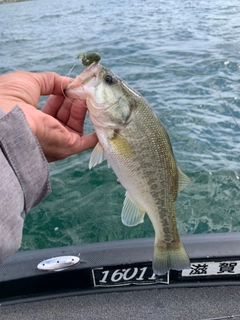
(156, 304)
(115, 281)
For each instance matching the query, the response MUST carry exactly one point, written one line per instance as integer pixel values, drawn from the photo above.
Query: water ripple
(184, 58)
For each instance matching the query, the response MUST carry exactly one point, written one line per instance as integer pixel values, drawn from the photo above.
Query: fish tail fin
(166, 258)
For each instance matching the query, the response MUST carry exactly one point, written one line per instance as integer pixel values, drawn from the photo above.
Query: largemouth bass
(137, 147)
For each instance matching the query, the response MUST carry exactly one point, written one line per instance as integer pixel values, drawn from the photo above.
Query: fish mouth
(83, 85)
(89, 77)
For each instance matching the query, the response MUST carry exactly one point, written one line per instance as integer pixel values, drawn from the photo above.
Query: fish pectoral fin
(131, 213)
(97, 156)
(120, 145)
(183, 180)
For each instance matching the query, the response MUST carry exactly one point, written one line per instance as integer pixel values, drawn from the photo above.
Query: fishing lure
(89, 57)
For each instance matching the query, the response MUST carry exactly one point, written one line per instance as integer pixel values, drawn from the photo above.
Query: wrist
(7, 105)
(22, 150)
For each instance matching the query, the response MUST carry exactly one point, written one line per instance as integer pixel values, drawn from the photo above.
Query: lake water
(184, 57)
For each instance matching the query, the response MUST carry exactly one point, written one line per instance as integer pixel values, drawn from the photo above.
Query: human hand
(59, 125)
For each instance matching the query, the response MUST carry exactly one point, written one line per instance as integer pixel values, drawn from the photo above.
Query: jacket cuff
(24, 154)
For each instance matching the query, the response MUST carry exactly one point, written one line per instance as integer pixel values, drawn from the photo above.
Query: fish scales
(152, 178)
(137, 147)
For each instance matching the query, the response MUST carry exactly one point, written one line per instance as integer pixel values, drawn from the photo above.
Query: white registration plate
(140, 275)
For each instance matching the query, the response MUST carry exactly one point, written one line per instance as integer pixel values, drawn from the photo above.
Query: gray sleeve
(24, 177)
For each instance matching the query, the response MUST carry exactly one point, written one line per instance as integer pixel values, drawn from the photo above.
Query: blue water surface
(183, 57)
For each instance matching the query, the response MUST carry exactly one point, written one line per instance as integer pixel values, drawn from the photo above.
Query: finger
(67, 148)
(57, 142)
(51, 83)
(76, 116)
(71, 114)
(86, 142)
(52, 105)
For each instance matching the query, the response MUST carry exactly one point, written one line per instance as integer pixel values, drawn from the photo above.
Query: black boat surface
(114, 280)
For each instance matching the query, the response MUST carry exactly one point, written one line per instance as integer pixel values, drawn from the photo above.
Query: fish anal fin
(131, 214)
(183, 180)
(97, 156)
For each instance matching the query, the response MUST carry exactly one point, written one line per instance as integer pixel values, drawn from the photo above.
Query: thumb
(85, 142)
(57, 142)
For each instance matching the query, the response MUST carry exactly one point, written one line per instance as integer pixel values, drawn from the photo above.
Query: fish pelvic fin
(166, 258)
(131, 214)
(183, 180)
(97, 156)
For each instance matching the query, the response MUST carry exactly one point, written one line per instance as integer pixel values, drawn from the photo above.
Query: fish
(137, 147)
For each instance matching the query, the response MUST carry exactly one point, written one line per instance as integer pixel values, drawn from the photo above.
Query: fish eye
(108, 79)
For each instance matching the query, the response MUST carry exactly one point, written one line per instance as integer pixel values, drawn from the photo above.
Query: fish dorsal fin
(183, 180)
(97, 156)
(131, 213)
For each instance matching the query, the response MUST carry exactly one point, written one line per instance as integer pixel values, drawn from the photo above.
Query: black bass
(137, 147)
